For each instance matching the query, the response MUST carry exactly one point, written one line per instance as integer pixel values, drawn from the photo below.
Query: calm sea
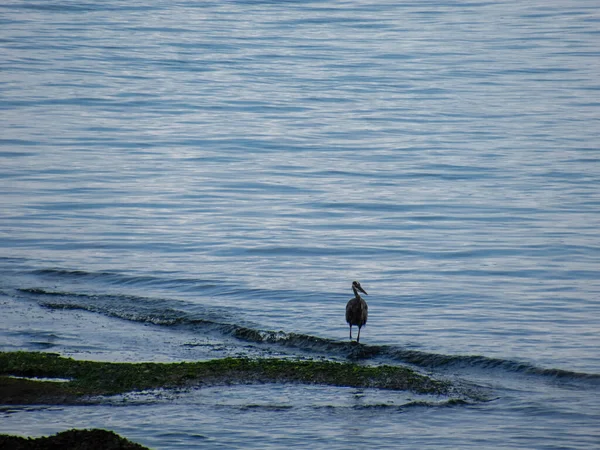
(185, 180)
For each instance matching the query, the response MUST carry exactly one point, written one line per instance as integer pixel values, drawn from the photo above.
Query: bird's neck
(356, 294)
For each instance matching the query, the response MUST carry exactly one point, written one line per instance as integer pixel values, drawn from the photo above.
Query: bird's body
(357, 310)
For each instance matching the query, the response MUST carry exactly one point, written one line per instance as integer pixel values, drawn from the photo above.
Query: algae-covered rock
(90, 378)
(72, 439)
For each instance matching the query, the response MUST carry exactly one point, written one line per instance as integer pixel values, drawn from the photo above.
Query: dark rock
(71, 440)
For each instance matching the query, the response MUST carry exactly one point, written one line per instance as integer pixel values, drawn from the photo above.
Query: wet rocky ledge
(26, 377)
(33, 378)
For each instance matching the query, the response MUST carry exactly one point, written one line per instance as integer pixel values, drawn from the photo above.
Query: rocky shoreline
(34, 378)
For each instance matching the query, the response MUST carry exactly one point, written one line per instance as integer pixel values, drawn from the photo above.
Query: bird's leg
(358, 337)
(350, 332)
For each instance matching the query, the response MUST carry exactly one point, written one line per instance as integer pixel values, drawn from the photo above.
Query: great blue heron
(357, 310)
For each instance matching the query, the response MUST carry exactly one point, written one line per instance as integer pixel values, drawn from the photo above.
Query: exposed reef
(88, 379)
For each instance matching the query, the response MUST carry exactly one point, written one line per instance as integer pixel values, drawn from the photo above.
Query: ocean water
(187, 180)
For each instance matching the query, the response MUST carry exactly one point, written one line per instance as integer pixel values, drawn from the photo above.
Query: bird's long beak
(362, 290)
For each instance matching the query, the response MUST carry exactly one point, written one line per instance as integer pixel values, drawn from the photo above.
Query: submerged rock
(72, 439)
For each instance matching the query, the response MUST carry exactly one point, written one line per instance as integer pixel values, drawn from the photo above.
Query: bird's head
(356, 286)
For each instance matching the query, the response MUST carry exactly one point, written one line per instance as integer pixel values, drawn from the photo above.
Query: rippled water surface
(191, 180)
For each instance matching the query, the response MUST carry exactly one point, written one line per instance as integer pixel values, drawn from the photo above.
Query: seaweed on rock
(86, 379)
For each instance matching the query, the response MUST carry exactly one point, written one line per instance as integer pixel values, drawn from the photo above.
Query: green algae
(92, 378)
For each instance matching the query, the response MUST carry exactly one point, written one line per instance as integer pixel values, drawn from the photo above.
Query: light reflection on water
(315, 417)
(245, 162)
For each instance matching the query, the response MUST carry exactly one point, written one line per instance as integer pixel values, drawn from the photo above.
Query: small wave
(352, 351)
(118, 279)
(68, 273)
(446, 403)
(164, 313)
(270, 408)
(127, 307)
(437, 361)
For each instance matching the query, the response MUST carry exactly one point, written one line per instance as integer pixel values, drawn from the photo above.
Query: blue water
(190, 180)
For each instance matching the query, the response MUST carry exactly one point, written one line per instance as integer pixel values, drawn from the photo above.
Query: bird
(357, 310)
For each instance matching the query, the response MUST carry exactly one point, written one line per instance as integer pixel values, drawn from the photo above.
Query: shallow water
(191, 180)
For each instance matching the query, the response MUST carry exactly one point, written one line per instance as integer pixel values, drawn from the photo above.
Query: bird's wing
(349, 308)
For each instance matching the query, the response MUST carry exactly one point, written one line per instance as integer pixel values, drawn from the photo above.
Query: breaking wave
(170, 313)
